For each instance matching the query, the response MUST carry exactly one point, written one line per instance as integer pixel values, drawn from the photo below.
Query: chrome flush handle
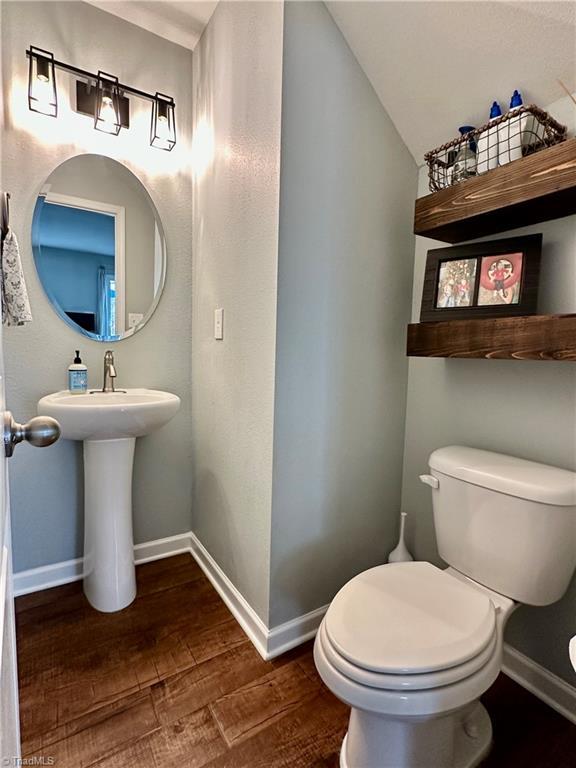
(39, 431)
(430, 480)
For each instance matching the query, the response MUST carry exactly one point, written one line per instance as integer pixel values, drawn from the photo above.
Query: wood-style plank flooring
(172, 681)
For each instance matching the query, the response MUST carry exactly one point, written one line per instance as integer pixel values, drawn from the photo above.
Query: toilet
(411, 647)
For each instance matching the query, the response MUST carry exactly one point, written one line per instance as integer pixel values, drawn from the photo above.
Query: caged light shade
(42, 83)
(163, 125)
(107, 110)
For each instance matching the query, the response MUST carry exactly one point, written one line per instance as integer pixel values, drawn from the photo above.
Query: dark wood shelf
(533, 337)
(535, 188)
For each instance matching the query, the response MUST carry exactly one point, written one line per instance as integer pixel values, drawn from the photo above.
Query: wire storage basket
(520, 132)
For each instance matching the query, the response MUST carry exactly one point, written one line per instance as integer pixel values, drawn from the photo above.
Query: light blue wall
(518, 407)
(46, 485)
(346, 254)
(71, 278)
(237, 86)
(73, 229)
(70, 245)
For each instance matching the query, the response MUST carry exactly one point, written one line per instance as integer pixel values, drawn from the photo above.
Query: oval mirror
(99, 247)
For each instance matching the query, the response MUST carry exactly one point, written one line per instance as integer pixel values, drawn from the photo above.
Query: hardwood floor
(173, 681)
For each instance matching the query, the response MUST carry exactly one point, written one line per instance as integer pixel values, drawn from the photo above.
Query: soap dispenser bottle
(77, 376)
(487, 155)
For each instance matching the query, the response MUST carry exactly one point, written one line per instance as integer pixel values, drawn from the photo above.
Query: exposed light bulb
(108, 119)
(163, 128)
(107, 113)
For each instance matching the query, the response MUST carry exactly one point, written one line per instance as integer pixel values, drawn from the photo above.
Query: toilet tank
(507, 523)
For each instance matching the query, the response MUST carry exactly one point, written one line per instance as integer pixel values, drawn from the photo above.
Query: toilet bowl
(411, 647)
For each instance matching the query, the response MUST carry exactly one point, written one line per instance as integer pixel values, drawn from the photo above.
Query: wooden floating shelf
(535, 188)
(534, 337)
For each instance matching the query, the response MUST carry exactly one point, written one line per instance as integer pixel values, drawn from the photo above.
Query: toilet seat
(352, 687)
(408, 619)
(410, 640)
(409, 682)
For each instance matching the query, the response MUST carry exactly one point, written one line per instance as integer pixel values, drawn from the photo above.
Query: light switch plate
(219, 324)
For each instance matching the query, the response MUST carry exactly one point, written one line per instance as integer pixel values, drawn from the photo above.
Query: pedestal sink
(108, 423)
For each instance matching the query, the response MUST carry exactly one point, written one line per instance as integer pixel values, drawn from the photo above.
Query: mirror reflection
(99, 247)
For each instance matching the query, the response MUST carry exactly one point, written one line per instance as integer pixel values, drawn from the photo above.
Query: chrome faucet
(109, 375)
(109, 372)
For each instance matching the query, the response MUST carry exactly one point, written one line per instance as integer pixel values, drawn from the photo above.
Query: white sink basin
(109, 423)
(110, 415)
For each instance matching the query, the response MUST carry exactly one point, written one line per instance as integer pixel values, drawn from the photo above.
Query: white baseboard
(237, 604)
(548, 687)
(168, 547)
(295, 632)
(269, 643)
(48, 576)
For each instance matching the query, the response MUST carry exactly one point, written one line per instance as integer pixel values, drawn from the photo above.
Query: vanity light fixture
(101, 96)
(42, 82)
(163, 126)
(107, 111)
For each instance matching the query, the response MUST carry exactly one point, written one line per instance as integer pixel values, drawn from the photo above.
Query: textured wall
(523, 408)
(237, 112)
(47, 485)
(344, 286)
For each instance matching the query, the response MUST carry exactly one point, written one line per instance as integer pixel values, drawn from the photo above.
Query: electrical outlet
(134, 319)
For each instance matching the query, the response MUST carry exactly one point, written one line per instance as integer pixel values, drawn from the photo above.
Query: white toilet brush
(400, 553)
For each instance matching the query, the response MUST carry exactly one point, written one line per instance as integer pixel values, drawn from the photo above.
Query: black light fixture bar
(100, 95)
(94, 78)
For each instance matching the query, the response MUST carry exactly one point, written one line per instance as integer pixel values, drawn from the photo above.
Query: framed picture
(496, 278)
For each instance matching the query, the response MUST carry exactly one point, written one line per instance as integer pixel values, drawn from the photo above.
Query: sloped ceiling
(180, 21)
(438, 65)
(435, 64)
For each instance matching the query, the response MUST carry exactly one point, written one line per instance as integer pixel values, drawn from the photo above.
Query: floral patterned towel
(15, 303)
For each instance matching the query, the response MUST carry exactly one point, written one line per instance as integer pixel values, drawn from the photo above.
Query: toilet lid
(409, 618)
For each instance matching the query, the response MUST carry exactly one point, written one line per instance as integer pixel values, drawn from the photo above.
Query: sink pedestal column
(109, 573)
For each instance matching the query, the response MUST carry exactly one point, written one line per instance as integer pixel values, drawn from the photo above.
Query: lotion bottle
(77, 376)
